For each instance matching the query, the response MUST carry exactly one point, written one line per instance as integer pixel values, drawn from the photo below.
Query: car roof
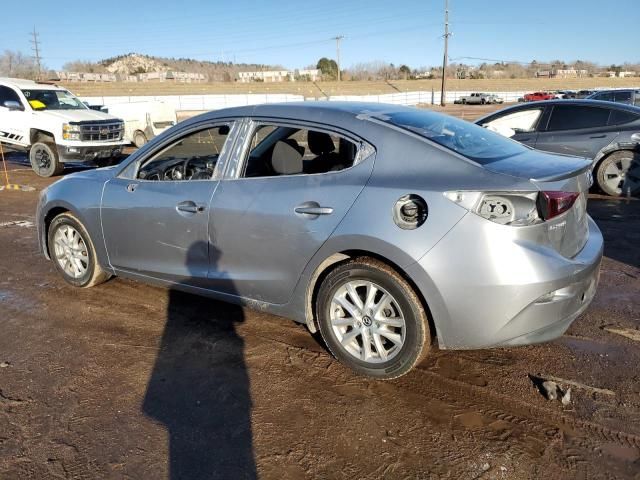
(30, 84)
(574, 102)
(329, 112)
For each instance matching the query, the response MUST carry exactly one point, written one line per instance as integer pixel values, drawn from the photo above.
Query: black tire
(94, 274)
(417, 336)
(139, 139)
(44, 159)
(464, 101)
(619, 173)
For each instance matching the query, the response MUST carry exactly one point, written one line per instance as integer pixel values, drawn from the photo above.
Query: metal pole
(443, 88)
(36, 48)
(337, 39)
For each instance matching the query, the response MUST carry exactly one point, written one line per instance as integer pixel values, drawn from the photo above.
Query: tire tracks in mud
(571, 444)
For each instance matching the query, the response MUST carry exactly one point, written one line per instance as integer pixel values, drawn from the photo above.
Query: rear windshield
(474, 142)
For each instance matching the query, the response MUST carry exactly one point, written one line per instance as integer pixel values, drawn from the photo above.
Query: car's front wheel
(44, 159)
(619, 173)
(72, 252)
(371, 319)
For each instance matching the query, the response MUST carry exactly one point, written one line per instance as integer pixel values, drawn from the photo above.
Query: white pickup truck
(55, 127)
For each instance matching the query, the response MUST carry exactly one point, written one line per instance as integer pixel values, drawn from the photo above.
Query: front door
(14, 122)
(156, 222)
(284, 201)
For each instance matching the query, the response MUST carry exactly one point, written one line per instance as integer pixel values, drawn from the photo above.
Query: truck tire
(139, 139)
(464, 101)
(44, 159)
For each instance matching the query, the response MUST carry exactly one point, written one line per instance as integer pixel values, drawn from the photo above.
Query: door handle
(189, 207)
(312, 210)
(598, 136)
(132, 187)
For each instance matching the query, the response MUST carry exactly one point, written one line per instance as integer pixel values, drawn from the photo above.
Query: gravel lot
(131, 381)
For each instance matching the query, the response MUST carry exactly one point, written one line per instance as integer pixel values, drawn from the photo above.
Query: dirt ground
(347, 87)
(131, 381)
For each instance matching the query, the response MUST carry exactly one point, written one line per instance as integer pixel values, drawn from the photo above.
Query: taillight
(552, 204)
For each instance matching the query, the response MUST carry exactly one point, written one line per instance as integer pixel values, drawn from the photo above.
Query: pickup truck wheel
(371, 319)
(44, 159)
(139, 139)
(72, 252)
(619, 173)
(464, 101)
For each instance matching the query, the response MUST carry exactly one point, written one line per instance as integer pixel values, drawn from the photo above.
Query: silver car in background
(386, 228)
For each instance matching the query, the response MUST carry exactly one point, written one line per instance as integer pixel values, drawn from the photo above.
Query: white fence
(215, 102)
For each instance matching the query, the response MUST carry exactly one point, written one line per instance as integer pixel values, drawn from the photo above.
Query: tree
(404, 71)
(328, 67)
(17, 64)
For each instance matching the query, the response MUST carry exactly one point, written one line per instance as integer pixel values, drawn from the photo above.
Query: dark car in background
(630, 96)
(606, 132)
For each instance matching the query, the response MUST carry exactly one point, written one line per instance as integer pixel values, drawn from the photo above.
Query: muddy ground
(130, 381)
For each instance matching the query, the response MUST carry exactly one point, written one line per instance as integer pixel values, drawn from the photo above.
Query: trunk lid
(568, 232)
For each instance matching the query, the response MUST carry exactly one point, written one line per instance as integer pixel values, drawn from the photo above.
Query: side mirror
(13, 105)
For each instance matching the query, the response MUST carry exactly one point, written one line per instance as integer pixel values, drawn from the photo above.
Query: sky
(296, 33)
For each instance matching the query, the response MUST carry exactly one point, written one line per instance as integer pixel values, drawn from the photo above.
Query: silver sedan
(388, 229)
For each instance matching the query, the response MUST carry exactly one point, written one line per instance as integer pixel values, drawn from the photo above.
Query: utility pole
(36, 50)
(444, 59)
(337, 39)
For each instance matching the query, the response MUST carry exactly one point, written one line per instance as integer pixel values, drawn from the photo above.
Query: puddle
(583, 345)
(17, 223)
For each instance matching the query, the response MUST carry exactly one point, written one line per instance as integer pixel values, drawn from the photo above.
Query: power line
(36, 49)
(443, 89)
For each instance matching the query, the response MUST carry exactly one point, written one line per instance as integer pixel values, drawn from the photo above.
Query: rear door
(580, 130)
(291, 185)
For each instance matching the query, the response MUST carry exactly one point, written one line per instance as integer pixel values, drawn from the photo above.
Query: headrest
(320, 142)
(285, 159)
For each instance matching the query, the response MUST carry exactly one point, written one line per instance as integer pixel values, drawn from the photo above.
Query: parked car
(55, 127)
(606, 133)
(583, 94)
(383, 227)
(143, 120)
(475, 99)
(494, 99)
(537, 96)
(630, 96)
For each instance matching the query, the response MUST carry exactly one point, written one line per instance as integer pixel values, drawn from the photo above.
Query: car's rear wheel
(371, 319)
(44, 159)
(619, 173)
(73, 253)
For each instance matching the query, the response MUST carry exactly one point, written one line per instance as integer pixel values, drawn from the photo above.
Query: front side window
(472, 141)
(53, 100)
(287, 150)
(569, 117)
(194, 157)
(522, 121)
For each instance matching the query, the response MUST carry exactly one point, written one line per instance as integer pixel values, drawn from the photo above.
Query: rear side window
(522, 121)
(277, 150)
(569, 117)
(468, 139)
(619, 117)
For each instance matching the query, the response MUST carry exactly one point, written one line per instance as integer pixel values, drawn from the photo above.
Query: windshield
(472, 141)
(53, 100)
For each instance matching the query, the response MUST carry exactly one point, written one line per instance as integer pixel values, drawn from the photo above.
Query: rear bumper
(89, 153)
(485, 290)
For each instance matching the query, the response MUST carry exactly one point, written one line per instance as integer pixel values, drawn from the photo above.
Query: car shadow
(199, 389)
